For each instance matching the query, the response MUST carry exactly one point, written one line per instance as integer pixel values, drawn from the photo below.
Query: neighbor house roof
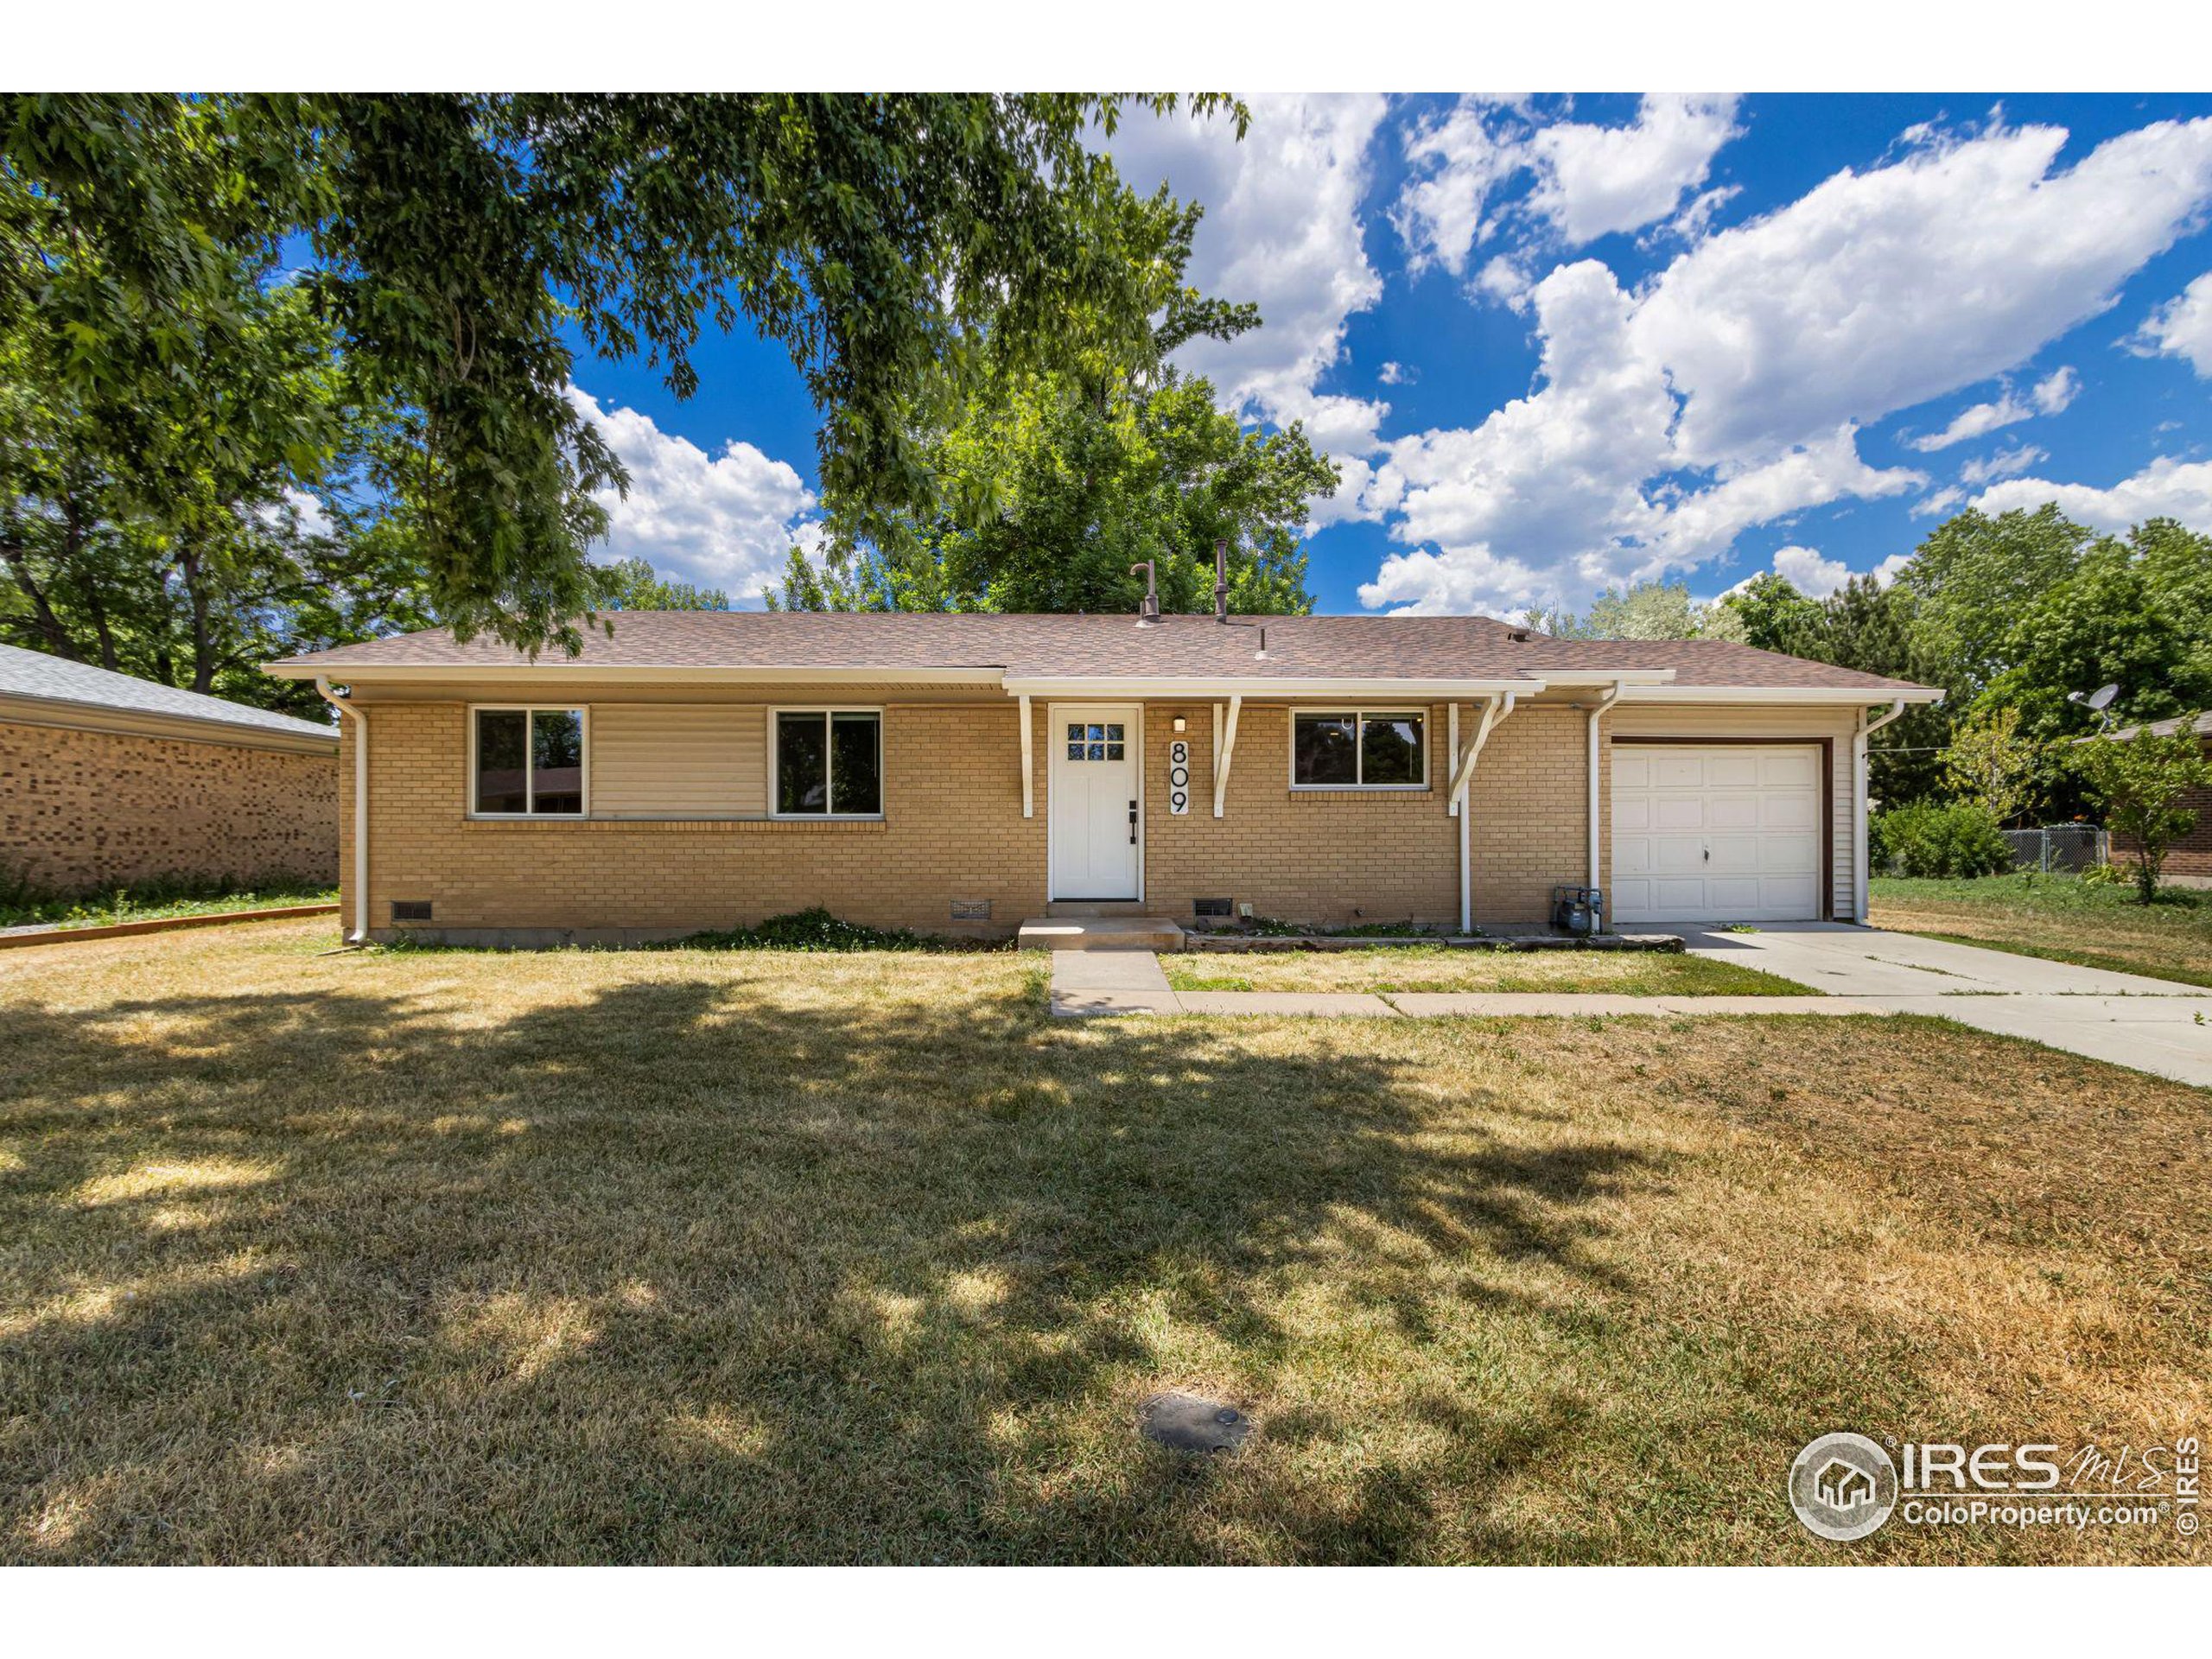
(2200, 724)
(41, 690)
(1038, 651)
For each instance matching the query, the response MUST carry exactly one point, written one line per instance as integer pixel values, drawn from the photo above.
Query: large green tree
(1658, 609)
(461, 243)
(1051, 482)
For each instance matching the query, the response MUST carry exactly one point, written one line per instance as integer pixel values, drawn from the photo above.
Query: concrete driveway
(2150, 1025)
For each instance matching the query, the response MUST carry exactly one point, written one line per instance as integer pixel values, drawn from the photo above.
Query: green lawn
(758, 1255)
(2058, 917)
(1440, 968)
(156, 903)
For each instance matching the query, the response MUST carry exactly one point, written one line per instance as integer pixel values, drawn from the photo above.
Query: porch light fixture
(1181, 724)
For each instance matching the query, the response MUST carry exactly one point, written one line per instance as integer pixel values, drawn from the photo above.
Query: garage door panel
(1733, 813)
(1726, 833)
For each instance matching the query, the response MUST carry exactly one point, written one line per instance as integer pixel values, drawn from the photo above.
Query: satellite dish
(2102, 697)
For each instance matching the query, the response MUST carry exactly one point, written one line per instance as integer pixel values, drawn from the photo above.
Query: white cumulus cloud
(2165, 489)
(1727, 391)
(2005, 463)
(2047, 396)
(724, 520)
(1589, 180)
(1810, 571)
(2182, 327)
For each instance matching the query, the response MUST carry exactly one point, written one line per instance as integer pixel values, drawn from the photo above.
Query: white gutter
(361, 935)
(1859, 872)
(1201, 687)
(1598, 713)
(644, 673)
(1801, 695)
(1462, 773)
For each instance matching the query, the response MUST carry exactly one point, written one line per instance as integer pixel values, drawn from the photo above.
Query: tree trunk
(50, 626)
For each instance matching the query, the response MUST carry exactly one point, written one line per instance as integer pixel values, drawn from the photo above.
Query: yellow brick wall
(952, 829)
(83, 810)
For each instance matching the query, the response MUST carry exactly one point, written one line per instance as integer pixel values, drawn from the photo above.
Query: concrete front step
(1101, 933)
(1061, 910)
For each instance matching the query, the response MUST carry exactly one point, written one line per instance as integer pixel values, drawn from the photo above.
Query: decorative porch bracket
(1495, 708)
(1224, 751)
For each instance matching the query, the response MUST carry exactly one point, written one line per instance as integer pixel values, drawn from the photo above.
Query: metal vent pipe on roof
(1221, 581)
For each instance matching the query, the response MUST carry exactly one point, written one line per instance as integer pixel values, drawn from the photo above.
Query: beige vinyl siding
(1777, 725)
(660, 760)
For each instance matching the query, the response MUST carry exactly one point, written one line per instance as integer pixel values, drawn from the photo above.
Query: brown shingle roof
(1298, 647)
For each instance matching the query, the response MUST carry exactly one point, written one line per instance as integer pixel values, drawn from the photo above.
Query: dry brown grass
(681, 1257)
(1441, 967)
(2058, 917)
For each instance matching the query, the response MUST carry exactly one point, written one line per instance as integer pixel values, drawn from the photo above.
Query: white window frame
(1358, 716)
(581, 710)
(828, 761)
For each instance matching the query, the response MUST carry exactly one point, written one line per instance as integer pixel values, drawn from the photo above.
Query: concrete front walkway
(2130, 1019)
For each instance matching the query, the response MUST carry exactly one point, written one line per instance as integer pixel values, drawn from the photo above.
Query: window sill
(1359, 789)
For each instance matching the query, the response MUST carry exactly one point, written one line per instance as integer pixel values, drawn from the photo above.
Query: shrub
(1940, 838)
(808, 929)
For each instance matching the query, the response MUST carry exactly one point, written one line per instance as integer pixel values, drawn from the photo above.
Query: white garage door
(1719, 834)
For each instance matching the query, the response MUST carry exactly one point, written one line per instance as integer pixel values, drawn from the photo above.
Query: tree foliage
(460, 240)
(1990, 763)
(1645, 610)
(633, 584)
(2142, 783)
(1050, 482)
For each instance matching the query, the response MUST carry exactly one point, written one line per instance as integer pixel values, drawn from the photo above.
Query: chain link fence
(2073, 847)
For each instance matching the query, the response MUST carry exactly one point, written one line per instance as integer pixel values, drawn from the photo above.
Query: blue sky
(1558, 342)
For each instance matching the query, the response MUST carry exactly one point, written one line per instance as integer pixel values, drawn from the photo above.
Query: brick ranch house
(2189, 860)
(959, 773)
(107, 781)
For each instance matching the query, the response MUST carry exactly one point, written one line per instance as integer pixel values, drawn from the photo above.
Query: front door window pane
(502, 760)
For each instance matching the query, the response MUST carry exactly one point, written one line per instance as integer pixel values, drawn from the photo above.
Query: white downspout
(1462, 795)
(1859, 849)
(1598, 713)
(361, 935)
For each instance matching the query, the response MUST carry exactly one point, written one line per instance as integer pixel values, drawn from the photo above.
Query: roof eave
(1844, 696)
(309, 668)
(1261, 685)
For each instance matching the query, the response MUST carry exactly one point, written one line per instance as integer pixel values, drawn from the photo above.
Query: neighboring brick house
(2188, 861)
(701, 770)
(108, 781)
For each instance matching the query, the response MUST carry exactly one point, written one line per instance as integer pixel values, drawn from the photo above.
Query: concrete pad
(1059, 933)
(1328, 1003)
(1092, 1005)
(2160, 1035)
(1108, 970)
(1850, 961)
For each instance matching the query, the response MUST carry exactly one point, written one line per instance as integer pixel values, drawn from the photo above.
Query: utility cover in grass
(1189, 1424)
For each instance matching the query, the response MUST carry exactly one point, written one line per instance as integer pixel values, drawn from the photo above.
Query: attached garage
(1734, 832)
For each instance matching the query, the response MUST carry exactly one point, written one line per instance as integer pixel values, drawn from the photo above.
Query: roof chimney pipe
(1149, 607)
(1221, 581)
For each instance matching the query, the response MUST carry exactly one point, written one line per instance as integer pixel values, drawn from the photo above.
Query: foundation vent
(411, 910)
(1217, 907)
(971, 910)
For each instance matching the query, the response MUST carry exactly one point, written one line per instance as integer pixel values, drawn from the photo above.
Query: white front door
(1096, 795)
(1716, 835)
